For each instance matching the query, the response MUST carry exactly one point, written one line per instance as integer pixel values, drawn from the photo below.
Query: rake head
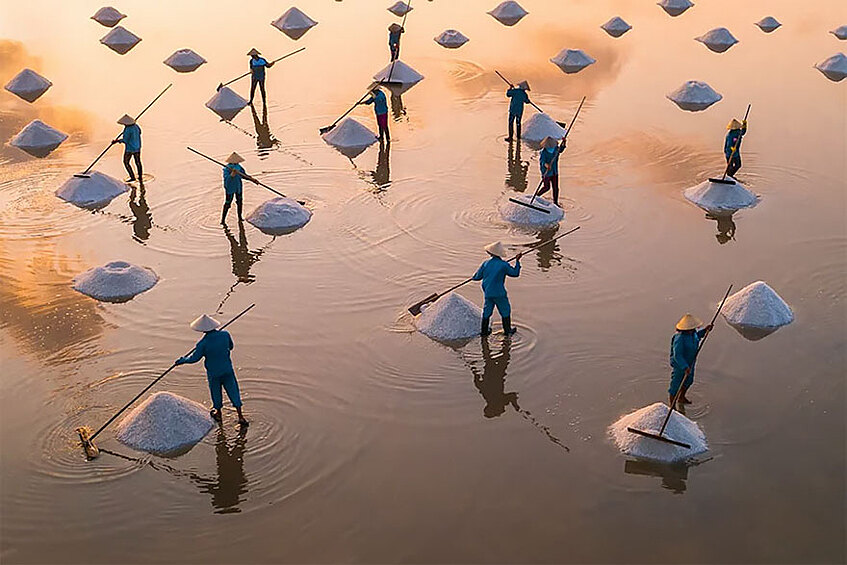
(528, 205)
(415, 309)
(658, 437)
(722, 181)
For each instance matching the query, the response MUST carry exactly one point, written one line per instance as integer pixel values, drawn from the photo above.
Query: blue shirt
(549, 156)
(131, 138)
(493, 274)
(257, 67)
(394, 37)
(519, 98)
(214, 346)
(733, 137)
(378, 100)
(232, 184)
(684, 350)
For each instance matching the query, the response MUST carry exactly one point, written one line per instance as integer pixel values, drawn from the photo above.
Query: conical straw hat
(734, 124)
(523, 85)
(497, 249)
(126, 120)
(234, 159)
(253, 51)
(205, 324)
(689, 322)
(395, 27)
(549, 142)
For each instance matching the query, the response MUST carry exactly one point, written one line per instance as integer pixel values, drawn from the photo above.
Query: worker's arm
(195, 355)
(478, 275)
(516, 270)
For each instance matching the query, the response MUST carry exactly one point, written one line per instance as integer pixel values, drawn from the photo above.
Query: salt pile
(521, 215)
(350, 137)
(38, 139)
(539, 126)
(834, 68)
(226, 103)
(294, 23)
(403, 77)
(164, 423)
(120, 40)
(675, 7)
(108, 16)
(757, 305)
(279, 216)
(508, 13)
(451, 39)
(400, 8)
(572, 60)
(28, 85)
(93, 192)
(768, 24)
(616, 27)
(718, 39)
(694, 96)
(840, 32)
(450, 318)
(650, 419)
(184, 61)
(117, 281)
(719, 198)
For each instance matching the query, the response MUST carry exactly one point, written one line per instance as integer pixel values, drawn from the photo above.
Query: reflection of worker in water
(382, 174)
(143, 217)
(492, 383)
(230, 486)
(673, 475)
(264, 138)
(549, 253)
(242, 258)
(726, 227)
(397, 108)
(516, 178)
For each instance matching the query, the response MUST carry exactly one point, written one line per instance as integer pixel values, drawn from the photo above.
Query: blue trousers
(514, 118)
(229, 384)
(676, 380)
(502, 303)
(734, 163)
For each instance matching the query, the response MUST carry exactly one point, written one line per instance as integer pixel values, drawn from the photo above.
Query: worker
(394, 31)
(732, 145)
(258, 64)
(131, 138)
(549, 163)
(683, 354)
(519, 98)
(233, 173)
(214, 347)
(493, 273)
(377, 98)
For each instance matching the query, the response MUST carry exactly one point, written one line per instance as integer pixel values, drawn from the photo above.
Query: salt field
(368, 440)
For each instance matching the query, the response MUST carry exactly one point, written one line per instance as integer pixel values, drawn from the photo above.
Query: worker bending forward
(493, 273)
(683, 355)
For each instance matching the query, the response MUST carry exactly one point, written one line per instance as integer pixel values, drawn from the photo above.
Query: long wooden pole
(223, 84)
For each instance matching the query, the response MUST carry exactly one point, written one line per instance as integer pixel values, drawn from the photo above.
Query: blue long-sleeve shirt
(733, 137)
(232, 184)
(549, 157)
(257, 68)
(684, 350)
(131, 138)
(214, 348)
(379, 101)
(493, 273)
(519, 97)
(394, 37)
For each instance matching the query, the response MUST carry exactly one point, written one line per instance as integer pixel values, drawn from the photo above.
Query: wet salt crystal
(451, 39)
(718, 40)
(616, 27)
(572, 60)
(675, 7)
(523, 216)
(117, 281)
(719, 198)
(93, 192)
(400, 8)
(108, 16)
(650, 419)
(840, 32)
(28, 85)
(226, 103)
(757, 305)
(350, 138)
(279, 216)
(539, 126)
(768, 24)
(164, 423)
(120, 40)
(834, 68)
(508, 13)
(452, 317)
(294, 23)
(403, 77)
(694, 96)
(184, 61)
(38, 139)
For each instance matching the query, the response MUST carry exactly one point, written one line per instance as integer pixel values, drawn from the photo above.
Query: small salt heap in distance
(280, 216)
(508, 13)
(694, 96)
(718, 40)
(164, 424)
(117, 281)
(451, 39)
(721, 199)
(184, 61)
(572, 60)
(400, 8)
(108, 16)
(226, 103)
(834, 68)
(28, 85)
(403, 77)
(675, 7)
(757, 307)
(768, 24)
(539, 126)
(294, 23)
(650, 419)
(524, 216)
(120, 40)
(840, 32)
(91, 192)
(350, 138)
(616, 27)
(450, 318)
(38, 139)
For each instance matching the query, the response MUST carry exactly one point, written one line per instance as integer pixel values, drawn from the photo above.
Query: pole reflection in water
(264, 138)
(229, 488)
(726, 227)
(141, 212)
(516, 177)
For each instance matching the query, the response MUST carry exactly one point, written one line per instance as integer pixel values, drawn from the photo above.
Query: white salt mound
(117, 281)
(38, 139)
(572, 60)
(294, 23)
(280, 215)
(164, 423)
(28, 85)
(226, 103)
(840, 32)
(650, 419)
(400, 8)
(120, 40)
(107, 16)
(834, 68)
(403, 74)
(508, 13)
(757, 305)
(768, 24)
(184, 61)
(616, 27)
(451, 317)
(93, 192)
(694, 96)
(451, 39)
(675, 7)
(350, 137)
(718, 40)
(720, 198)
(539, 126)
(521, 215)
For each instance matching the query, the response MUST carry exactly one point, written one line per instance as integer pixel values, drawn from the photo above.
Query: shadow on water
(141, 212)
(243, 259)
(517, 168)
(264, 138)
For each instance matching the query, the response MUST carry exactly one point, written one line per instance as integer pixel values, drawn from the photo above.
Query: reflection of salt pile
(28, 84)
(508, 13)
(840, 32)
(107, 16)
(184, 61)
(521, 215)
(451, 39)
(400, 8)
(226, 103)
(92, 192)
(451, 317)
(572, 60)
(694, 96)
(650, 419)
(117, 281)
(616, 27)
(539, 126)
(718, 40)
(834, 68)
(294, 23)
(280, 215)
(38, 139)
(757, 305)
(120, 40)
(768, 24)
(164, 423)
(719, 198)
(675, 7)
(403, 77)
(350, 137)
